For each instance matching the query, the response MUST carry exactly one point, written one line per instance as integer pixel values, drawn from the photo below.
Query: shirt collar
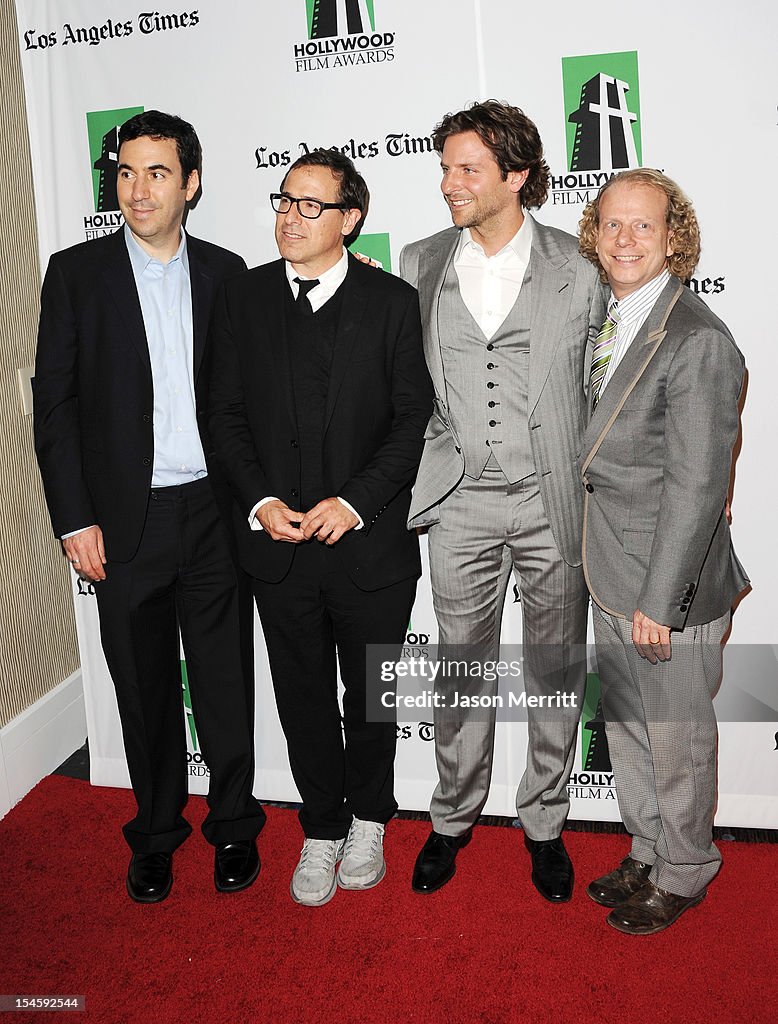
(140, 259)
(519, 246)
(640, 302)
(330, 280)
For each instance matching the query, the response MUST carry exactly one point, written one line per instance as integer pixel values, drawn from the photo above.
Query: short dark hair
(513, 139)
(352, 188)
(157, 125)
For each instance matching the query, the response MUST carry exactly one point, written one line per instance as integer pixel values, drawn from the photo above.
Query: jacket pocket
(637, 542)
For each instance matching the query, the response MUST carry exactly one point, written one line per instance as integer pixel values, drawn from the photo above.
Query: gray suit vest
(487, 381)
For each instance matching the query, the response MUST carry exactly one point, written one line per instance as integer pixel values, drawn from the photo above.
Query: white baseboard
(38, 740)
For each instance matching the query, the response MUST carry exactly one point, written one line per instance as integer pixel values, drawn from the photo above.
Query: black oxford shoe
(235, 865)
(150, 877)
(552, 869)
(617, 886)
(651, 910)
(435, 864)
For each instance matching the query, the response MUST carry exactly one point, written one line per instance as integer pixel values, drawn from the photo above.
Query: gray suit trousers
(662, 736)
(488, 527)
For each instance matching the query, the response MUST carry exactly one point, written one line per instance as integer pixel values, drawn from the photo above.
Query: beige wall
(37, 629)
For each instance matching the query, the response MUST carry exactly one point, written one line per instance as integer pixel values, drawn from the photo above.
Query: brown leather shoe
(617, 886)
(650, 910)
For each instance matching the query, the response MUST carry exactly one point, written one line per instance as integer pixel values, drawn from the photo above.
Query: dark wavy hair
(511, 137)
(157, 125)
(681, 220)
(352, 188)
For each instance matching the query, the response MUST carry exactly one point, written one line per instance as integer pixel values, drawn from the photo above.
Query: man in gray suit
(508, 307)
(665, 381)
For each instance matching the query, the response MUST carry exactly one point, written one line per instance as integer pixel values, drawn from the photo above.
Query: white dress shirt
(490, 285)
(633, 312)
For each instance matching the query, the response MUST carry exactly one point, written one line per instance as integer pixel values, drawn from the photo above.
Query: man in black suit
(319, 400)
(132, 495)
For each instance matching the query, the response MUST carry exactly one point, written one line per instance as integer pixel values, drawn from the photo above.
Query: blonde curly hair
(681, 220)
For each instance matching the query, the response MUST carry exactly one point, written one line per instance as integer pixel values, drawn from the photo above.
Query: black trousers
(343, 767)
(182, 576)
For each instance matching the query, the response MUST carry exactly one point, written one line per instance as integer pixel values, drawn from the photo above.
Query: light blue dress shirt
(165, 295)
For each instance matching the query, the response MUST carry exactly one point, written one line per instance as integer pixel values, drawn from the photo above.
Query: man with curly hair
(655, 465)
(509, 307)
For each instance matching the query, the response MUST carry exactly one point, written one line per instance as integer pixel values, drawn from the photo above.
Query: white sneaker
(313, 881)
(363, 864)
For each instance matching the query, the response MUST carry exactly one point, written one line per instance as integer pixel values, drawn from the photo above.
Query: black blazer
(93, 394)
(378, 404)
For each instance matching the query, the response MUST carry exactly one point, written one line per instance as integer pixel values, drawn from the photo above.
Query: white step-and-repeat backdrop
(692, 92)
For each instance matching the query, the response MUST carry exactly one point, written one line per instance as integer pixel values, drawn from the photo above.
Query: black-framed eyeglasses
(309, 208)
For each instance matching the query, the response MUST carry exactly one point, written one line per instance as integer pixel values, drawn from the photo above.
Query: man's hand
(328, 521)
(650, 638)
(86, 553)
(276, 520)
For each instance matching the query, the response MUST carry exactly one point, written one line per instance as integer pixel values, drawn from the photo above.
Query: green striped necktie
(603, 350)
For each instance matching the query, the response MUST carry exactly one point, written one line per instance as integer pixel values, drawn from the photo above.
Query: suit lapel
(120, 285)
(551, 276)
(271, 330)
(352, 312)
(201, 283)
(433, 267)
(631, 368)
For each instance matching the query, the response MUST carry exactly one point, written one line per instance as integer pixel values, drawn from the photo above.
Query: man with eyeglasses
(319, 396)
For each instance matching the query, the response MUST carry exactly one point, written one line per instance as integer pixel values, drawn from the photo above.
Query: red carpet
(486, 948)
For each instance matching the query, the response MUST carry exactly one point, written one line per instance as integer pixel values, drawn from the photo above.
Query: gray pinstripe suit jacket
(567, 310)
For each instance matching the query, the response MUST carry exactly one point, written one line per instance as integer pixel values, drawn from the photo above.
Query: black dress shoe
(552, 869)
(435, 864)
(651, 910)
(150, 877)
(617, 886)
(235, 865)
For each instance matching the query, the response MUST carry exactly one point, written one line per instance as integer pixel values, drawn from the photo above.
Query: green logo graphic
(602, 110)
(339, 17)
(595, 756)
(376, 247)
(188, 706)
(103, 131)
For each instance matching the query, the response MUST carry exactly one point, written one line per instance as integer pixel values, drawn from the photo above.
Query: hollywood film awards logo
(194, 759)
(103, 133)
(377, 249)
(341, 34)
(595, 780)
(602, 114)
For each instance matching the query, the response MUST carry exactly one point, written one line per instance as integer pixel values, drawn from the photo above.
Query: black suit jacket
(93, 393)
(378, 403)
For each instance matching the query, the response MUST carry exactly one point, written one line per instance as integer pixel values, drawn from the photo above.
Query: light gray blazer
(567, 311)
(656, 466)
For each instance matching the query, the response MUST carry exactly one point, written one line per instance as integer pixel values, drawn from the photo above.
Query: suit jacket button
(146, 461)
(293, 443)
(294, 492)
(490, 347)
(146, 418)
(589, 488)
(459, 450)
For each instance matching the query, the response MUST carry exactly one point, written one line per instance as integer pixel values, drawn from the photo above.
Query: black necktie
(303, 303)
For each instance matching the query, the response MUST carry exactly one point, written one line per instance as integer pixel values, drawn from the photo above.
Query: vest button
(492, 423)
(490, 366)
(294, 492)
(491, 404)
(293, 443)
(490, 385)
(589, 488)
(490, 347)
